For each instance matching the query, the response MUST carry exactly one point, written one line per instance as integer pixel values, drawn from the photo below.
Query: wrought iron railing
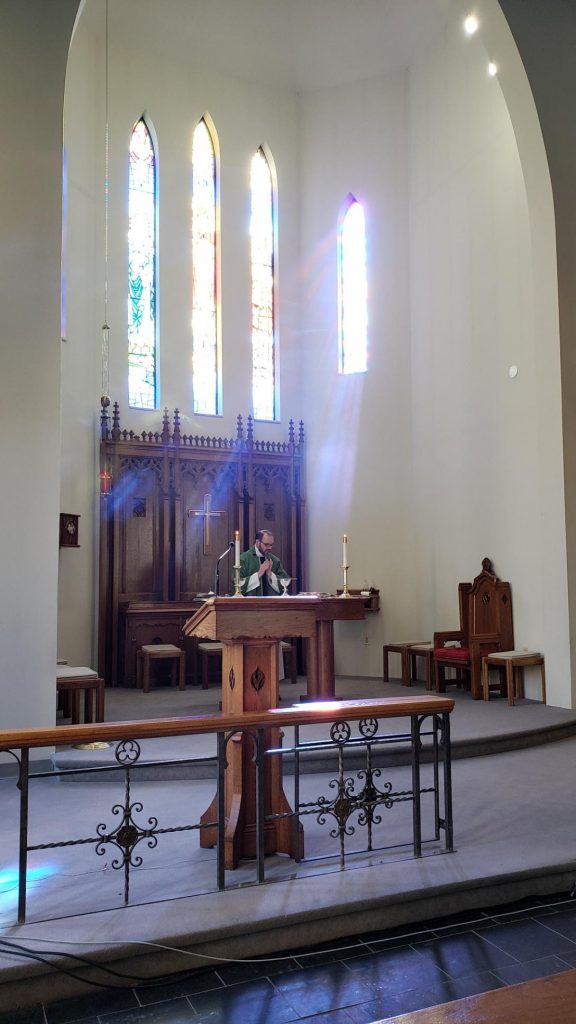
(355, 802)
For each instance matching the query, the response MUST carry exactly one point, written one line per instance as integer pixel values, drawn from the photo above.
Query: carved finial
(165, 427)
(291, 431)
(250, 429)
(115, 422)
(239, 428)
(176, 434)
(301, 432)
(487, 566)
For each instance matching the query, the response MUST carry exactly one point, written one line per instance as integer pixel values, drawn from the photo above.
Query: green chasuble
(267, 585)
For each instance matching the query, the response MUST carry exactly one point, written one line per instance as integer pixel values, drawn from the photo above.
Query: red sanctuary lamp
(105, 482)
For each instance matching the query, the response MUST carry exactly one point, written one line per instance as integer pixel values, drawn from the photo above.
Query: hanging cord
(105, 327)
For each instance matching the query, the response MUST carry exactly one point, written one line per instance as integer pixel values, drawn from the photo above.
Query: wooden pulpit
(249, 629)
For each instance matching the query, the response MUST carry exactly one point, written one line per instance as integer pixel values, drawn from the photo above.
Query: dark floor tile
(332, 1017)
(548, 907)
(506, 910)
(397, 936)
(175, 1011)
(563, 922)
(320, 989)
(397, 969)
(180, 985)
(467, 953)
(471, 985)
(27, 1015)
(568, 956)
(532, 969)
(239, 1004)
(247, 970)
(393, 1003)
(97, 1001)
(328, 955)
(442, 925)
(527, 940)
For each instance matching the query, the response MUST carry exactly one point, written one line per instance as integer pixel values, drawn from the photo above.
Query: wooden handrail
(192, 725)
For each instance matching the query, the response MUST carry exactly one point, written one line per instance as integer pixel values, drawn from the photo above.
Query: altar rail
(346, 809)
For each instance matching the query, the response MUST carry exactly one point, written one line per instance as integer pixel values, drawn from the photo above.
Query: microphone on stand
(217, 577)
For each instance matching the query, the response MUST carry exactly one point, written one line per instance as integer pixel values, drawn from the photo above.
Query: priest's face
(265, 545)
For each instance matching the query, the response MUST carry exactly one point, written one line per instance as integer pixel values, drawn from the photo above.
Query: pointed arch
(352, 289)
(206, 361)
(142, 264)
(263, 261)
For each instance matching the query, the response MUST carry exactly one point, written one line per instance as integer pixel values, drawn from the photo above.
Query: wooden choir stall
(170, 503)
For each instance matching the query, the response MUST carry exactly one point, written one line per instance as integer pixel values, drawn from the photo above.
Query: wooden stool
(160, 652)
(425, 651)
(514, 663)
(72, 681)
(403, 651)
(289, 653)
(207, 650)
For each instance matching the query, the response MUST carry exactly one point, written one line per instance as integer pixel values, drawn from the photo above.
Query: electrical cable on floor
(11, 947)
(19, 950)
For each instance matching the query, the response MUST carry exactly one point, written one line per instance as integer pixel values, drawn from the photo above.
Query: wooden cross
(206, 513)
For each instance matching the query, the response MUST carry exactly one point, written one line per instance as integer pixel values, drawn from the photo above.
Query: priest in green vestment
(260, 569)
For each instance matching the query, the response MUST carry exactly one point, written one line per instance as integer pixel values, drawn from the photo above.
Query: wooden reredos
(173, 505)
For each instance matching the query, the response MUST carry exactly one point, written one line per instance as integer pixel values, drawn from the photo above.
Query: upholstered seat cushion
(75, 672)
(455, 654)
(161, 649)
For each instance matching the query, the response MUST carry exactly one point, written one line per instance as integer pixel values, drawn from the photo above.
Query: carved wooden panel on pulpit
(170, 508)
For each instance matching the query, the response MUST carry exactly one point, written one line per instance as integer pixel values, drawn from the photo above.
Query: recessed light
(471, 24)
(513, 372)
(492, 69)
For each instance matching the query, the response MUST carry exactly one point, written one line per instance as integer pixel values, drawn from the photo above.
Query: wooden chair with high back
(485, 627)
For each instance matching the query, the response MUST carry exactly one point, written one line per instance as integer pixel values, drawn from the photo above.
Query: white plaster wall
(173, 98)
(354, 139)
(436, 458)
(33, 51)
(487, 468)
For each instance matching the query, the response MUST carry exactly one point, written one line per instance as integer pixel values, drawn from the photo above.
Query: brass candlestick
(345, 591)
(237, 591)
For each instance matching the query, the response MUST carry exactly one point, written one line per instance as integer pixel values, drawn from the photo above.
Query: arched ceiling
(294, 44)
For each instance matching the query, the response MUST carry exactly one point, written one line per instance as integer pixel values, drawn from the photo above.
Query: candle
(344, 550)
(237, 547)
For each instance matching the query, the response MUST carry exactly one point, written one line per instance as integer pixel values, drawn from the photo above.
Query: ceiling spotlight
(471, 24)
(492, 69)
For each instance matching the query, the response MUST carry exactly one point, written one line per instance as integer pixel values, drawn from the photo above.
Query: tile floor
(361, 981)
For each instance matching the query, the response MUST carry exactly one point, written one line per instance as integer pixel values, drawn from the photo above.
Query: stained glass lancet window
(352, 290)
(262, 262)
(204, 309)
(142, 328)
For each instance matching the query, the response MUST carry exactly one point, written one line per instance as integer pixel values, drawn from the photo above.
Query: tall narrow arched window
(262, 263)
(142, 326)
(205, 369)
(352, 290)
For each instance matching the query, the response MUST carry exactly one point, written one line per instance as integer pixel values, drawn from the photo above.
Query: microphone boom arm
(217, 575)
